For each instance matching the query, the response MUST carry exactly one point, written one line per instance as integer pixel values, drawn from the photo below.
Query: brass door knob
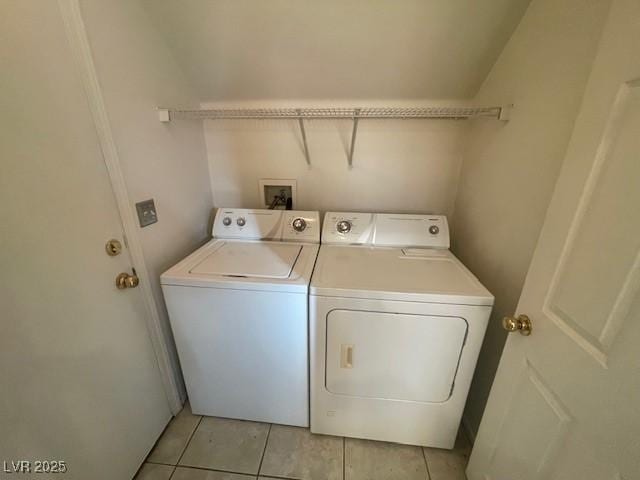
(125, 280)
(521, 323)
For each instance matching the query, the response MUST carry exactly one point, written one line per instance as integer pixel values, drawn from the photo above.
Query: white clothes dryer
(238, 308)
(396, 325)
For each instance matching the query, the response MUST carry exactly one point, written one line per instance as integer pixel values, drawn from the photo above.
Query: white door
(565, 403)
(79, 378)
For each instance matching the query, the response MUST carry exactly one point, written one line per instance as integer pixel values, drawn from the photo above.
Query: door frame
(81, 50)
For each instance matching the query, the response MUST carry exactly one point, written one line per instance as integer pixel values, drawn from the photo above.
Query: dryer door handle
(346, 356)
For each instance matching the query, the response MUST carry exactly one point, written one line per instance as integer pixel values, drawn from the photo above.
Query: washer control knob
(226, 221)
(343, 226)
(241, 222)
(434, 229)
(299, 224)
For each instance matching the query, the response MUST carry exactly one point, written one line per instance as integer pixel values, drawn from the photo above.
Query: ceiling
(335, 49)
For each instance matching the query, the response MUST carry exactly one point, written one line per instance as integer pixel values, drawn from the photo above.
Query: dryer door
(393, 355)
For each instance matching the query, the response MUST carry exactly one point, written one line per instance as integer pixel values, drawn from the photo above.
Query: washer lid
(240, 259)
(414, 274)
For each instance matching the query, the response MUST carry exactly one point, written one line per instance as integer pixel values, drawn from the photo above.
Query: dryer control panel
(386, 229)
(349, 228)
(262, 224)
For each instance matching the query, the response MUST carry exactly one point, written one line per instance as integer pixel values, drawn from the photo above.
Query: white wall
(398, 165)
(168, 163)
(283, 49)
(509, 171)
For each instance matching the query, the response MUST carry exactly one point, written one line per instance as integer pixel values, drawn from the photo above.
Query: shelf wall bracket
(163, 115)
(354, 132)
(304, 137)
(505, 113)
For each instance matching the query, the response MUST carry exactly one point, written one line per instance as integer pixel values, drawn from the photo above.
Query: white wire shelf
(397, 113)
(353, 114)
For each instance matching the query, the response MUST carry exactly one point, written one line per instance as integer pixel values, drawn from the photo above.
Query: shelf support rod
(356, 117)
(304, 137)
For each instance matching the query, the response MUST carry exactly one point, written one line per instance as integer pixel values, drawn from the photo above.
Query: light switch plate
(146, 212)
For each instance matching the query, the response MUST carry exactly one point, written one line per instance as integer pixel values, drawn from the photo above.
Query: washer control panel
(262, 224)
(301, 226)
(385, 229)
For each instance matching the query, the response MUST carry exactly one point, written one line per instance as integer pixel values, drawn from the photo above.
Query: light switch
(146, 212)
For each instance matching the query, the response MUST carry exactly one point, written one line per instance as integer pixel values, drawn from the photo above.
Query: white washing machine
(238, 308)
(396, 325)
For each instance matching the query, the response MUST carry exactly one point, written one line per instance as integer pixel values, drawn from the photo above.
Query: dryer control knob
(241, 222)
(226, 221)
(343, 226)
(299, 224)
(434, 229)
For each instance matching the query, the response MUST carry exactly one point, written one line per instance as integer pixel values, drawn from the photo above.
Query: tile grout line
(264, 451)
(276, 477)
(235, 472)
(426, 464)
(189, 441)
(173, 471)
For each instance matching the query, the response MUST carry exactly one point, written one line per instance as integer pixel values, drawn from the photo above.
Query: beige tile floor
(209, 448)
